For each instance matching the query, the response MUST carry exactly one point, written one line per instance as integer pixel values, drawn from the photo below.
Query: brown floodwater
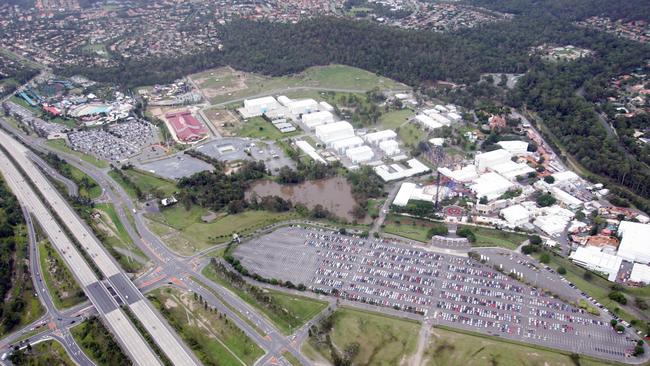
(334, 194)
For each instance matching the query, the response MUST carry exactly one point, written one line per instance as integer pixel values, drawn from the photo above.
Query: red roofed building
(52, 110)
(186, 127)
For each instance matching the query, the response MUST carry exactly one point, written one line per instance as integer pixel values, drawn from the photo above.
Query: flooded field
(334, 194)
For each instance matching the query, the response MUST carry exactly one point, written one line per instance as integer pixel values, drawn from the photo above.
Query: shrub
(561, 270)
(618, 297)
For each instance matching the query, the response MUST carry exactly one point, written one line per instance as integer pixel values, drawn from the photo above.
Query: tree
(549, 179)
(437, 230)
(467, 233)
(618, 297)
(483, 200)
(535, 239)
(545, 258)
(545, 200)
(561, 270)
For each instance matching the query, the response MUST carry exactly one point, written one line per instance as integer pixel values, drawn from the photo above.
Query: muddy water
(334, 194)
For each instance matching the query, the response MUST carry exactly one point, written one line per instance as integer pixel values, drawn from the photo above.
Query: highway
(94, 289)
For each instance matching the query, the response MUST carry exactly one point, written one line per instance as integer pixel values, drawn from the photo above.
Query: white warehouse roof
(312, 120)
(635, 245)
(515, 147)
(310, 151)
(342, 145)
(465, 174)
(334, 131)
(566, 175)
(404, 194)
(592, 258)
(389, 147)
(427, 122)
(260, 102)
(491, 185)
(396, 171)
(360, 154)
(516, 215)
(489, 159)
(376, 137)
(511, 170)
(640, 273)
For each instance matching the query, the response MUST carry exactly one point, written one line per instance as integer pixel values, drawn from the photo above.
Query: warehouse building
(553, 220)
(389, 147)
(490, 159)
(516, 215)
(375, 138)
(640, 273)
(334, 131)
(397, 171)
(310, 151)
(491, 186)
(514, 147)
(342, 145)
(511, 170)
(427, 122)
(635, 245)
(303, 106)
(258, 106)
(597, 260)
(360, 154)
(311, 120)
(465, 174)
(404, 194)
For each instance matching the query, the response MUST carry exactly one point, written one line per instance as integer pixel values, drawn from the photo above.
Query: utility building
(334, 131)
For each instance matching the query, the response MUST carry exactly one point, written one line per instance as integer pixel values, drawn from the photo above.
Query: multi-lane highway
(107, 305)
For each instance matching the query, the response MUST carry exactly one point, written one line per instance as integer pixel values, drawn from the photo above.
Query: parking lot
(175, 166)
(454, 291)
(118, 142)
(233, 149)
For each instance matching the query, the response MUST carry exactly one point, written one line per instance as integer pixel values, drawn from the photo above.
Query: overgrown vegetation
(98, 343)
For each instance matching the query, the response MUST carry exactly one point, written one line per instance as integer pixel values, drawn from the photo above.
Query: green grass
(382, 340)
(486, 237)
(60, 283)
(258, 127)
(298, 309)
(98, 344)
(374, 205)
(127, 188)
(214, 339)
(44, 353)
(190, 234)
(326, 77)
(394, 119)
(409, 231)
(149, 182)
(291, 358)
(411, 134)
(60, 145)
(116, 236)
(78, 176)
(450, 347)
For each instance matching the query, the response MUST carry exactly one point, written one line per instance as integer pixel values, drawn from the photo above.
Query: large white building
(597, 260)
(640, 273)
(375, 138)
(397, 171)
(334, 131)
(427, 122)
(490, 159)
(553, 220)
(510, 169)
(302, 106)
(360, 154)
(389, 147)
(516, 215)
(310, 151)
(258, 106)
(491, 186)
(404, 194)
(342, 145)
(311, 120)
(635, 242)
(514, 147)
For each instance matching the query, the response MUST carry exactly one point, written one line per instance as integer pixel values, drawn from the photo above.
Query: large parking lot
(450, 290)
(234, 148)
(176, 166)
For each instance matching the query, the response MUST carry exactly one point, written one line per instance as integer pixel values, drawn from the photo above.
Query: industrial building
(514, 147)
(511, 170)
(389, 147)
(640, 273)
(375, 138)
(311, 120)
(491, 186)
(553, 220)
(427, 122)
(635, 242)
(464, 175)
(310, 151)
(342, 145)
(360, 154)
(258, 106)
(397, 171)
(334, 131)
(186, 127)
(490, 159)
(597, 260)
(516, 215)
(303, 106)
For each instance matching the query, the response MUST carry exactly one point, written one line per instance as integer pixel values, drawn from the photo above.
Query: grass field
(45, 353)
(411, 134)
(78, 176)
(297, 309)
(382, 340)
(213, 338)
(146, 182)
(185, 233)
(98, 344)
(408, 231)
(258, 127)
(292, 359)
(61, 146)
(224, 84)
(117, 239)
(486, 237)
(394, 119)
(455, 348)
(59, 280)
